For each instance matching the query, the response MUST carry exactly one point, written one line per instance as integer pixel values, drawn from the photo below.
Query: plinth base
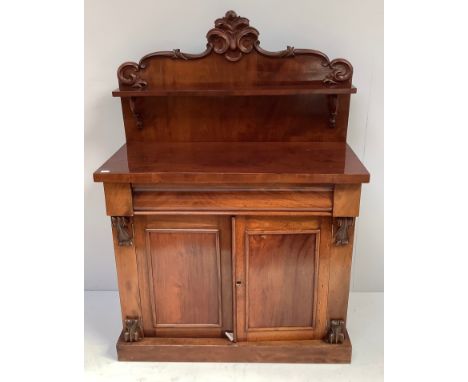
(222, 350)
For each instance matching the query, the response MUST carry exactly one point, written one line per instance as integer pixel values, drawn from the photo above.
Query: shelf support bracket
(133, 330)
(341, 236)
(124, 228)
(332, 110)
(136, 113)
(336, 332)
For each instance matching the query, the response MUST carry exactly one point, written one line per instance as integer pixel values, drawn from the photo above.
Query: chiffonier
(233, 203)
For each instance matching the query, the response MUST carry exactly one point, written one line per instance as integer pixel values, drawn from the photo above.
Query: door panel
(185, 275)
(275, 283)
(281, 267)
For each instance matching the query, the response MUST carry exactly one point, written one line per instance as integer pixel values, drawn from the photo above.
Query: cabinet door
(281, 277)
(185, 275)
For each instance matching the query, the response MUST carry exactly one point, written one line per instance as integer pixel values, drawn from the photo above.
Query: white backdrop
(121, 30)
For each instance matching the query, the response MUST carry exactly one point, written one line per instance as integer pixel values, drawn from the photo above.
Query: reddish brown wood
(221, 350)
(127, 278)
(185, 265)
(233, 201)
(346, 199)
(239, 163)
(185, 268)
(234, 40)
(276, 89)
(236, 195)
(280, 261)
(297, 118)
(282, 266)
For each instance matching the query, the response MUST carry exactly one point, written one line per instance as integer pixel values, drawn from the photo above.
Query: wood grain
(118, 199)
(340, 277)
(185, 274)
(234, 168)
(127, 279)
(221, 350)
(234, 163)
(346, 199)
(273, 269)
(281, 270)
(233, 201)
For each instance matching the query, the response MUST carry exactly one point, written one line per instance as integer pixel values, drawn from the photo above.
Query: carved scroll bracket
(332, 109)
(133, 330)
(124, 228)
(135, 112)
(336, 332)
(341, 236)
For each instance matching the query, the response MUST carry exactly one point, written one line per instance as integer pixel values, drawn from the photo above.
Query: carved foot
(336, 333)
(133, 331)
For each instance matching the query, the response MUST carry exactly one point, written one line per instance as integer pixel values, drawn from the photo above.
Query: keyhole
(238, 283)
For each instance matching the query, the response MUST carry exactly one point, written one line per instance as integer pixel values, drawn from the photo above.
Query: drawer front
(232, 201)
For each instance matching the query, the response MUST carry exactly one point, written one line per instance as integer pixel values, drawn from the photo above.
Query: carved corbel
(341, 236)
(133, 330)
(332, 109)
(124, 229)
(135, 112)
(336, 332)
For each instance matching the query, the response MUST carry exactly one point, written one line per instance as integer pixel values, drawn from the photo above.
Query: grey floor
(102, 327)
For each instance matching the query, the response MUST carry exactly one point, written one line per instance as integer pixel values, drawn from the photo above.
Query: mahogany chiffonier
(233, 203)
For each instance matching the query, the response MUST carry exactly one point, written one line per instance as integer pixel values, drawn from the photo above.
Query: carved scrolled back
(233, 37)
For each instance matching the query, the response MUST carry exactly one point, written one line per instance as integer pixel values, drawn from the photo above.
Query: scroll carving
(133, 330)
(342, 70)
(129, 74)
(124, 230)
(336, 332)
(342, 233)
(233, 37)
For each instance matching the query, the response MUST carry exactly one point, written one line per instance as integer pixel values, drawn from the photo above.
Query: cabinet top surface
(234, 162)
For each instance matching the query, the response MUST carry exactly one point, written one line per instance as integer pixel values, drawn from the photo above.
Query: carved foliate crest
(233, 37)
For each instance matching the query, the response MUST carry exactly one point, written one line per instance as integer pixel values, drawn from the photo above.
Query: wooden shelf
(271, 90)
(233, 163)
